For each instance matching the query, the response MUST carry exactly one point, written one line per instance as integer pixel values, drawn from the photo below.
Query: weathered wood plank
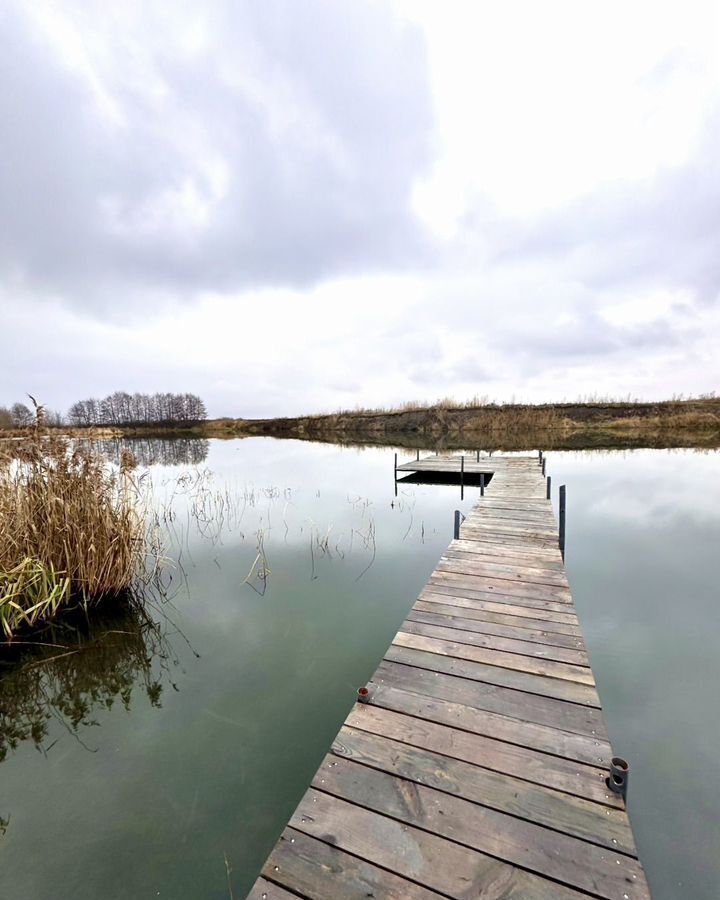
(458, 571)
(509, 542)
(314, 868)
(574, 862)
(449, 685)
(590, 747)
(571, 815)
(488, 611)
(413, 650)
(418, 639)
(490, 501)
(486, 585)
(517, 518)
(509, 605)
(445, 866)
(503, 517)
(535, 523)
(498, 527)
(550, 560)
(528, 572)
(492, 643)
(266, 890)
(454, 618)
(410, 726)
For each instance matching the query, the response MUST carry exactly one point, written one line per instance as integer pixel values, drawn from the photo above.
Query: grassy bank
(508, 426)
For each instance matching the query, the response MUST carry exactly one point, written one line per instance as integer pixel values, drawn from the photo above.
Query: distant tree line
(122, 408)
(20, 416)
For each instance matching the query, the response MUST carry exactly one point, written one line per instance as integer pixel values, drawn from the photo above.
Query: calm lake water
(160, 757)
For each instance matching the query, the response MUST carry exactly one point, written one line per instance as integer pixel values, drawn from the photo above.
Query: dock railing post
(562, 519)
(482, 484)
(456, 529)
(477, 456)
(543, 464)
(540, 457)
(548, 492)
(418, 456)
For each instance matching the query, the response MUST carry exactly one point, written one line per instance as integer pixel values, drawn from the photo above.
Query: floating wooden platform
(478, 767)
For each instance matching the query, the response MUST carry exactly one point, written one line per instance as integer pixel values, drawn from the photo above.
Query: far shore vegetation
(478, 422)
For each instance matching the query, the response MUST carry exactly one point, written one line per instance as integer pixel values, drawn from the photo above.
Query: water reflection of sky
(643, 537)
(155, 796)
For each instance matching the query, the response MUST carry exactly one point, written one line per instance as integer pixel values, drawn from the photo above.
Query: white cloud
(539, 103)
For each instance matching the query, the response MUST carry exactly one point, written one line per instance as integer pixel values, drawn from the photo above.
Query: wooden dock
(478, 767)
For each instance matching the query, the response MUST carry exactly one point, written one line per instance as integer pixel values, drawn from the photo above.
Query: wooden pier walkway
(478, 766)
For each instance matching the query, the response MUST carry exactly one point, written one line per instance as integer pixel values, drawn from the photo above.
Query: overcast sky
(298, 205)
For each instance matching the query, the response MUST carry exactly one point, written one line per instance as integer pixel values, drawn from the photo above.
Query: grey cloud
(587, 335)
(473, 368)
(677, 61)
(444, 377)
(299, 136)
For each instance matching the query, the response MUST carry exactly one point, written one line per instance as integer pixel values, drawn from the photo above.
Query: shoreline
(553, 426)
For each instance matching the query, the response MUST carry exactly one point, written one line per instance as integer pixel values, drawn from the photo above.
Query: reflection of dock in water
(478, 766)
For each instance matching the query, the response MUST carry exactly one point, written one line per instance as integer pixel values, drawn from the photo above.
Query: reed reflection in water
(72, 670)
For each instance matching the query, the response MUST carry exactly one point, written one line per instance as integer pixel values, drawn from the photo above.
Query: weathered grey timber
(478, 766)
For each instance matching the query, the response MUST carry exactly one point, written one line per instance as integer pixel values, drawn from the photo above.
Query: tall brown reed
(71, 530)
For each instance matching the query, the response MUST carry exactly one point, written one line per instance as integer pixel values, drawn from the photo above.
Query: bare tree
(53, 418)
(21, 415)
(121, 408)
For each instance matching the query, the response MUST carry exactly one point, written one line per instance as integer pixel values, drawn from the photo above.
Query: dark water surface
(159, 757)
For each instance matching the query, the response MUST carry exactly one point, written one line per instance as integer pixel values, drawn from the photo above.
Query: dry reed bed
(72, 530)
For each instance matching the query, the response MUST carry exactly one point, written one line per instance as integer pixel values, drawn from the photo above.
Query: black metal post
(619, 776)
(418, 456)
(462, 470)
(456, 530)
(396, 465)
(562, 520)
(477, 456)
(549, 485)
(482, 484)
(540, 456)
(543, 464)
